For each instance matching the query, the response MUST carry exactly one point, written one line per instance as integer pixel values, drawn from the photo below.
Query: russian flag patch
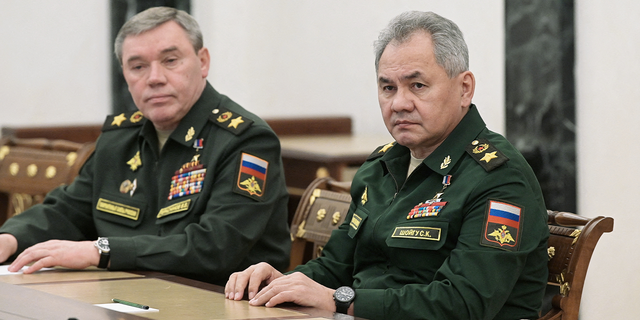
(502, 225)
(252, 176)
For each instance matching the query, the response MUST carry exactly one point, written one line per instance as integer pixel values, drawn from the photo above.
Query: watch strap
(104, 260)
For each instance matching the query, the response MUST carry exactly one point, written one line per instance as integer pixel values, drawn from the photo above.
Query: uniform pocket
(119, 209)
(425, 234)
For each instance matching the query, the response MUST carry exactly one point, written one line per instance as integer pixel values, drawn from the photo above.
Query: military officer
(190, 184)
(446, 222)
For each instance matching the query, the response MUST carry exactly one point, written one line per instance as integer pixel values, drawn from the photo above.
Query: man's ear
(468, 83)
(205, 60)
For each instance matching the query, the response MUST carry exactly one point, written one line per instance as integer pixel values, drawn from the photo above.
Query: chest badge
(364, 197)
(432, 207)
(190, 177)
(135, 162)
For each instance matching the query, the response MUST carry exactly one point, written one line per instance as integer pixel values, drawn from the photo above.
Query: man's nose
(156, 74)
(403, 100)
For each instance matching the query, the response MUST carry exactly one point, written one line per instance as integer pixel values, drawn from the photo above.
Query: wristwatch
(102, 244)
(343, 297)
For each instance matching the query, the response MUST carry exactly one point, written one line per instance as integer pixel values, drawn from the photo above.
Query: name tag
(177, 207)
(422, 233)
(119, 209)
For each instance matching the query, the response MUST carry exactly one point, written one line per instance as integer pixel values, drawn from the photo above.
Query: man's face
(420, 105)
(165, 75)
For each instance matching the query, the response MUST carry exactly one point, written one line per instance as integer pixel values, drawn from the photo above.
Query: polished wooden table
(73, 294)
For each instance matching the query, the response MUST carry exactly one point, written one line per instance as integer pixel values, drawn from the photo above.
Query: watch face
(103, 244)
(344, 294)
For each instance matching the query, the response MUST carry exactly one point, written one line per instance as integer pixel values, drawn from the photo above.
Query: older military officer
(189, 184)
(446, 222)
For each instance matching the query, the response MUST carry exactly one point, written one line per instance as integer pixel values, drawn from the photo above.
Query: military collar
(190, 127)
(452, 148)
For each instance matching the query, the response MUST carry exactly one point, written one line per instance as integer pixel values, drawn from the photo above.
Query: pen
(133, 304)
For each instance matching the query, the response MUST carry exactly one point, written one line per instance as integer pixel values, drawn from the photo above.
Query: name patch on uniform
(174, 208)
(502, 225)
(422, 233)
(252, 176)
(119, 209)
(355, 221)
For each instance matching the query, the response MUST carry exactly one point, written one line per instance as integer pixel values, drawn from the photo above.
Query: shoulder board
(486, 154)
(380, 151)
(123, 120)
(230, 121)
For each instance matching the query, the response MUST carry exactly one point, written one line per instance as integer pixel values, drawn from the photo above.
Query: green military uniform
(411, 250)
(212, 202)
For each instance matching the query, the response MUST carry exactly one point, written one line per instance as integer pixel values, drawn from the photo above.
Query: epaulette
(123, 120)
(380, 151)
(486, 154)
(226, 119)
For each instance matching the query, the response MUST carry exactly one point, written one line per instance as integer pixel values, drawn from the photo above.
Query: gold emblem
(117, 121)
(235, 122)
(128, 186)
(71, 158)
(252, 186)
(364, 198)
(335, 218)
(386, 147)
(551, 252)
(445, 163)
(502, 235)
(489, 156)
(321, 214)
(135, 162)
(223, 117)
(50, 173)
(32, 170)
(4, 151)
(481, 148)
(136, 117)
(14, 168)
(190, 134)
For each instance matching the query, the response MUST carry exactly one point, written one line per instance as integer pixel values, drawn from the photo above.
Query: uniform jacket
(212, 202)
(463, 237)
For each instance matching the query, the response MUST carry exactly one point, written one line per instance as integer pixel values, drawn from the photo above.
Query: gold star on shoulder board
(235, 122)
(489, 156)
(117, 120)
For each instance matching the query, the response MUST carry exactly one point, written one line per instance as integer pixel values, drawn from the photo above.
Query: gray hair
(154, 17)
(448, 43)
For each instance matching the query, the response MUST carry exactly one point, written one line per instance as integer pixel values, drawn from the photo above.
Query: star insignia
(386, 147)
(235, 122)
(117, 121)
(489, 156)
(135, 162)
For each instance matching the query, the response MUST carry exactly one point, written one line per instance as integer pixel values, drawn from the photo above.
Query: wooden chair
(30, 168)
(322, 208)
(570, 250)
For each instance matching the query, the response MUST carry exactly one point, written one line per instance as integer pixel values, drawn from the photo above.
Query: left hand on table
(52, 253)
(296, 288)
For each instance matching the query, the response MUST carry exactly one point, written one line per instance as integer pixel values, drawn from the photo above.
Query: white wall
(283, 58)
(607, 52)
(54, 62)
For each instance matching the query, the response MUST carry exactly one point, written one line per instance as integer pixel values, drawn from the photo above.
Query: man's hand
(8, 246)
(296, 288)
(251, 279)
(52, 253)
